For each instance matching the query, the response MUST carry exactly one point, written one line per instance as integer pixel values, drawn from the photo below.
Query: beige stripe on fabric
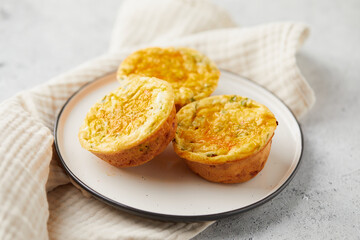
(74, 215)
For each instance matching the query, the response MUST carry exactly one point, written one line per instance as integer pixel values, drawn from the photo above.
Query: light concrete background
(41, 39)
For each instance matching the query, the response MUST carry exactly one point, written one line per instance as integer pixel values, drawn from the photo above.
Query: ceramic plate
(165, 188)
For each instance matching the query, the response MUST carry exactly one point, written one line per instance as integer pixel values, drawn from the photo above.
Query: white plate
(165, 188)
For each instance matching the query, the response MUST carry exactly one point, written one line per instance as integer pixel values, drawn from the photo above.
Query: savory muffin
(192, 75)
(225, 138)
(132, 124)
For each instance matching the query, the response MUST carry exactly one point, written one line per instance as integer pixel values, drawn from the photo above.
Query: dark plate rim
(168, 217)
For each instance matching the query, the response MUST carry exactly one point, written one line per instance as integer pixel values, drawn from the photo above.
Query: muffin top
(127, 115)
(192, 75)
(223, 128)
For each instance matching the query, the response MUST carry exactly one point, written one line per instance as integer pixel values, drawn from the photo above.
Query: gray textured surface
(40, 39)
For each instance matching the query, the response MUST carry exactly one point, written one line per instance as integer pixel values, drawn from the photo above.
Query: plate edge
(168, 217)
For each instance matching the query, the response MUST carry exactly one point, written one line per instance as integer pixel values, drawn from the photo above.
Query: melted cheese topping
(223, 128)
(192, 75)
(127, 115)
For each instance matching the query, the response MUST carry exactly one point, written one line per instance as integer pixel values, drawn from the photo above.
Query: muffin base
(236, 171)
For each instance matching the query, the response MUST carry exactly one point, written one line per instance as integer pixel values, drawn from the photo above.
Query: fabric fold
(143, 22)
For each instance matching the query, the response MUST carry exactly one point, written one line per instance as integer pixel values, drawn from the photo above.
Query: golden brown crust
(151, 146)
(222, 128)
(124, 117)
(191, 74)
(232, 172)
